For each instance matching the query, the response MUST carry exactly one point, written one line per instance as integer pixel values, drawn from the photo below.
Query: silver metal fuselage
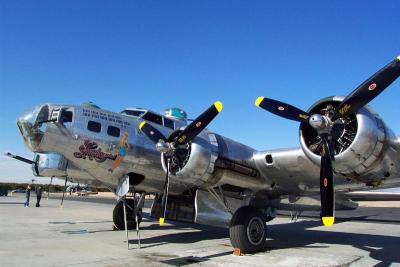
(73, 151)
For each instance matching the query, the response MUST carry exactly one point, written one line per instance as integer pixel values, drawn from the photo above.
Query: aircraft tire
(248, 230)
(118, 215)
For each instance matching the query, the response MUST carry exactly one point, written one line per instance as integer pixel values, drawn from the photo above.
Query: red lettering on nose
(91, 150)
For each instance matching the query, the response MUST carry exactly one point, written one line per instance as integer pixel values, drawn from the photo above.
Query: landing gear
(248, 230)
(118, 215)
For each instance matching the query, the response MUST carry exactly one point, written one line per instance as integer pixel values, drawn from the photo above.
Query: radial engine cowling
(359, 139)
(194, 162)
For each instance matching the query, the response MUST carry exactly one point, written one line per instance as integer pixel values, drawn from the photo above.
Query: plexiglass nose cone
(31, 129)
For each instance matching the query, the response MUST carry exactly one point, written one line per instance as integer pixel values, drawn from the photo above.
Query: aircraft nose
(31, 128)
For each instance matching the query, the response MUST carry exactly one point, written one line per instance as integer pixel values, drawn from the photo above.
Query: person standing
(38, 195)
(27, 195)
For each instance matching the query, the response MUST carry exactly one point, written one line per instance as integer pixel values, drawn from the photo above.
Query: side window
(113, 131)
(94, 126)
(66, 116)
(168, 123)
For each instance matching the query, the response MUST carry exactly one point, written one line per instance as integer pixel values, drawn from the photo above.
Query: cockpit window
(149, 116)
(168, 123)
(43, 115)
(136, 113)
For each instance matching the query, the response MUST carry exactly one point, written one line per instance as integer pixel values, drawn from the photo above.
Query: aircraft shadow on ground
(200, 233)
(78, 222)
(294, 235)
(384, 249)
(183, 261)
(195, 233)
(280, 236)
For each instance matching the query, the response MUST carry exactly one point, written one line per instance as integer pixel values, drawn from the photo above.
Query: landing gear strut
(248, 230)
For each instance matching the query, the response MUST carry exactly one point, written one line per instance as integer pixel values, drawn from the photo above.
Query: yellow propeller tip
(218, 105)
(259, 100)
(328, 221)
(398, 58)
(162, 221)
(142, 124)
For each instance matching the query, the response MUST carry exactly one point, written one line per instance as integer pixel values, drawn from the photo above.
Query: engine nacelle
(359, 140)
(211, 160)
(195, 162)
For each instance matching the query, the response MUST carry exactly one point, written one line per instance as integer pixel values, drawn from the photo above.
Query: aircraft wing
(289, 170)
(373, 196)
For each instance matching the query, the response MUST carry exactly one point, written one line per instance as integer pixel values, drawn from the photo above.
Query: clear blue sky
(158, 54)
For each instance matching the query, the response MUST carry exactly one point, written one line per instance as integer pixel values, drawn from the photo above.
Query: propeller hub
(163, 146)
(319, 122)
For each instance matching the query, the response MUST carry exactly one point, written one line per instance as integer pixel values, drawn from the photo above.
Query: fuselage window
(113, 131)
(168, 123)
(148, 116)
(94, 126)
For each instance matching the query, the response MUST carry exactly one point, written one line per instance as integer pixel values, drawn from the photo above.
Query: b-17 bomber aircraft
(200, 176)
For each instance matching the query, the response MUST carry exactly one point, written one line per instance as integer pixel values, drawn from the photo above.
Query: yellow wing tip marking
(142, 124)
(398, 58)
(259, 100)
(162, 220)
(328, 221)
(218, 105)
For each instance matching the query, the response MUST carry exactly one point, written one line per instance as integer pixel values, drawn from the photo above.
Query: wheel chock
(237, 252)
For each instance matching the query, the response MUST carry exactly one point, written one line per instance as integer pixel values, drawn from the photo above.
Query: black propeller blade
(164, 201)
(197, 125)
(173, 141)
(282, 109)
(323, 124)
(369, 89)
(151, 132)
(326, 183)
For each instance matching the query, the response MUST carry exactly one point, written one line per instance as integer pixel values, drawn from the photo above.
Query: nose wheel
(248, 230)
(118, 215)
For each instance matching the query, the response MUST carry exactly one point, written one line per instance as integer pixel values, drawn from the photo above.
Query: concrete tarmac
(80, 234)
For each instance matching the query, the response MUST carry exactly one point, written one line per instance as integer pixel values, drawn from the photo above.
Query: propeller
(323, 124)
(369, 89)
(170, 146)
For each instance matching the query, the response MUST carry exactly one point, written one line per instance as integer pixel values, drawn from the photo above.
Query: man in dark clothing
(38, 195)
(27, 195)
